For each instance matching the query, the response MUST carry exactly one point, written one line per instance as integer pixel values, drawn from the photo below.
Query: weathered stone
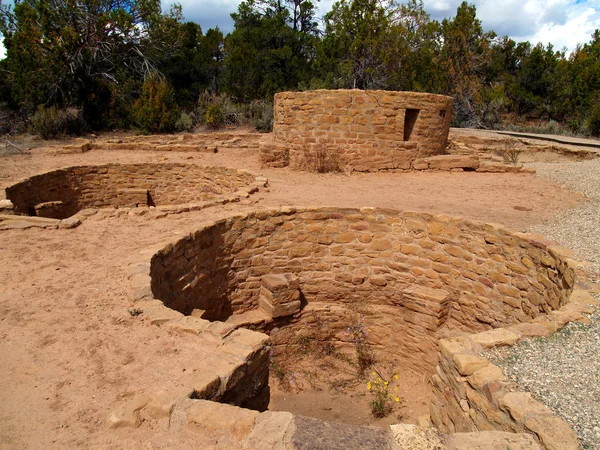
(128, 415)
(486, 375)
(492, 440)
(494, 338)
(204, 415)
(554, 433)
(521, 406)
(69, 223)
(467, 364)
(413, 437)
(272, 430)
(448, 162)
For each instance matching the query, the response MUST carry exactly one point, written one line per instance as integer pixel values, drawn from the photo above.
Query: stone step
(252, 317)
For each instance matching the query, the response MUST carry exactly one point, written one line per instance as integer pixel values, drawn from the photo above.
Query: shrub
(184, 123)
(510, 154)
(261, 115)
(214, 117)
(155, 111)
(593, 120)
(51, 122)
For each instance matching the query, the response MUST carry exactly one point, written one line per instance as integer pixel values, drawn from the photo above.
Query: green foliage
(385, 393)
(94, 55)
(260, 114)
(185, 122)
(214, 117)
(51, 122)
(155, 111)
(593, 120)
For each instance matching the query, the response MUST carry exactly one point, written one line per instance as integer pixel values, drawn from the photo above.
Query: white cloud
(560, 22)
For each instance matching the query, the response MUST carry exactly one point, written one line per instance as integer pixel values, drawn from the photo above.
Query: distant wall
(368, 130)
(125, 185)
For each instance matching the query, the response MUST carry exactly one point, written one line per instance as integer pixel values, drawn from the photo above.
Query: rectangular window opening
(410, 118)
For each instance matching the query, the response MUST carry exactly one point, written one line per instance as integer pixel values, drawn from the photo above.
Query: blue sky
(564, 23)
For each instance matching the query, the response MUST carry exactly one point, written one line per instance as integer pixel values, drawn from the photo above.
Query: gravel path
(578, 228)
(563, 370)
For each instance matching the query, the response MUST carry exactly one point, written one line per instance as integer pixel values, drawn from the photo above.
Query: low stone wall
(471, 394)
(413, 277)
(365, 130)
(61, 193)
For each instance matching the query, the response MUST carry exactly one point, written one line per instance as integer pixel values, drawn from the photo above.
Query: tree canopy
(114, 59)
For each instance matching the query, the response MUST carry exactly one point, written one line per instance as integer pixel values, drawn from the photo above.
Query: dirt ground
(69, 349)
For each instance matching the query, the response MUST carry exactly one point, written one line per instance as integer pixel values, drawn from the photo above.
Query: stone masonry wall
(472, 394)
(413, 277)
(125, 185)
(367, 130)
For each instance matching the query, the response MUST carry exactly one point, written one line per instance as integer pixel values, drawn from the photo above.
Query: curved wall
(124, 185)
(413, 276)
(370, 130)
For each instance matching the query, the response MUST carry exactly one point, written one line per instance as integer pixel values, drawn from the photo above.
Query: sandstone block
(487, 374)
(69, 223)
(279, 295)
(496, 337)
(54, 210)
(492, 440)
(6, 207)
(272, 430)
(467, 364)
(407, 436)
(554, 432)
(205, 415)
(447, 162)
(521, 405)
(128, 415)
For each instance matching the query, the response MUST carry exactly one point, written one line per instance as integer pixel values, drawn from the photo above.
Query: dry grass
(321, 159)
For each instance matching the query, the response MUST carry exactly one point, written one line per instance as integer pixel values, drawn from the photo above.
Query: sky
(564, 23)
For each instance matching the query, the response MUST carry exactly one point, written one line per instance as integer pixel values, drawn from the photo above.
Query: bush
(214, 117)
(51, 122)
(593, 120)
(184, 123)
(261, 116)
(219, 110)
(155, 111)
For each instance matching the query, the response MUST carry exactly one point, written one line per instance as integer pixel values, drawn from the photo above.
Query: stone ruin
(365, 131)
(65, 197)
(433, 290)
(417, 279)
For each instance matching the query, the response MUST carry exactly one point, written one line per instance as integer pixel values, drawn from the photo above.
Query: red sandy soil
(69, 350)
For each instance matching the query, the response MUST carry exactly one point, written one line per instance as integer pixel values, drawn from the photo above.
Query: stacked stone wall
(366, 130)
(122, 185)
(413, 277)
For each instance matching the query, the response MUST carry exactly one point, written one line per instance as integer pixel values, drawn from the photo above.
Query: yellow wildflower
(397, 399)
(396, 388)
(369, 385)
(373, 373)
(386, 383)
(395, 376)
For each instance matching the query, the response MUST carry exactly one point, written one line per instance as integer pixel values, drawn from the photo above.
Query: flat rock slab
(313, 434)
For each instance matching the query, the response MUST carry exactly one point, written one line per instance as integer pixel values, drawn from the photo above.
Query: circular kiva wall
(61, 193)
(369, 130)
(412, 277)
